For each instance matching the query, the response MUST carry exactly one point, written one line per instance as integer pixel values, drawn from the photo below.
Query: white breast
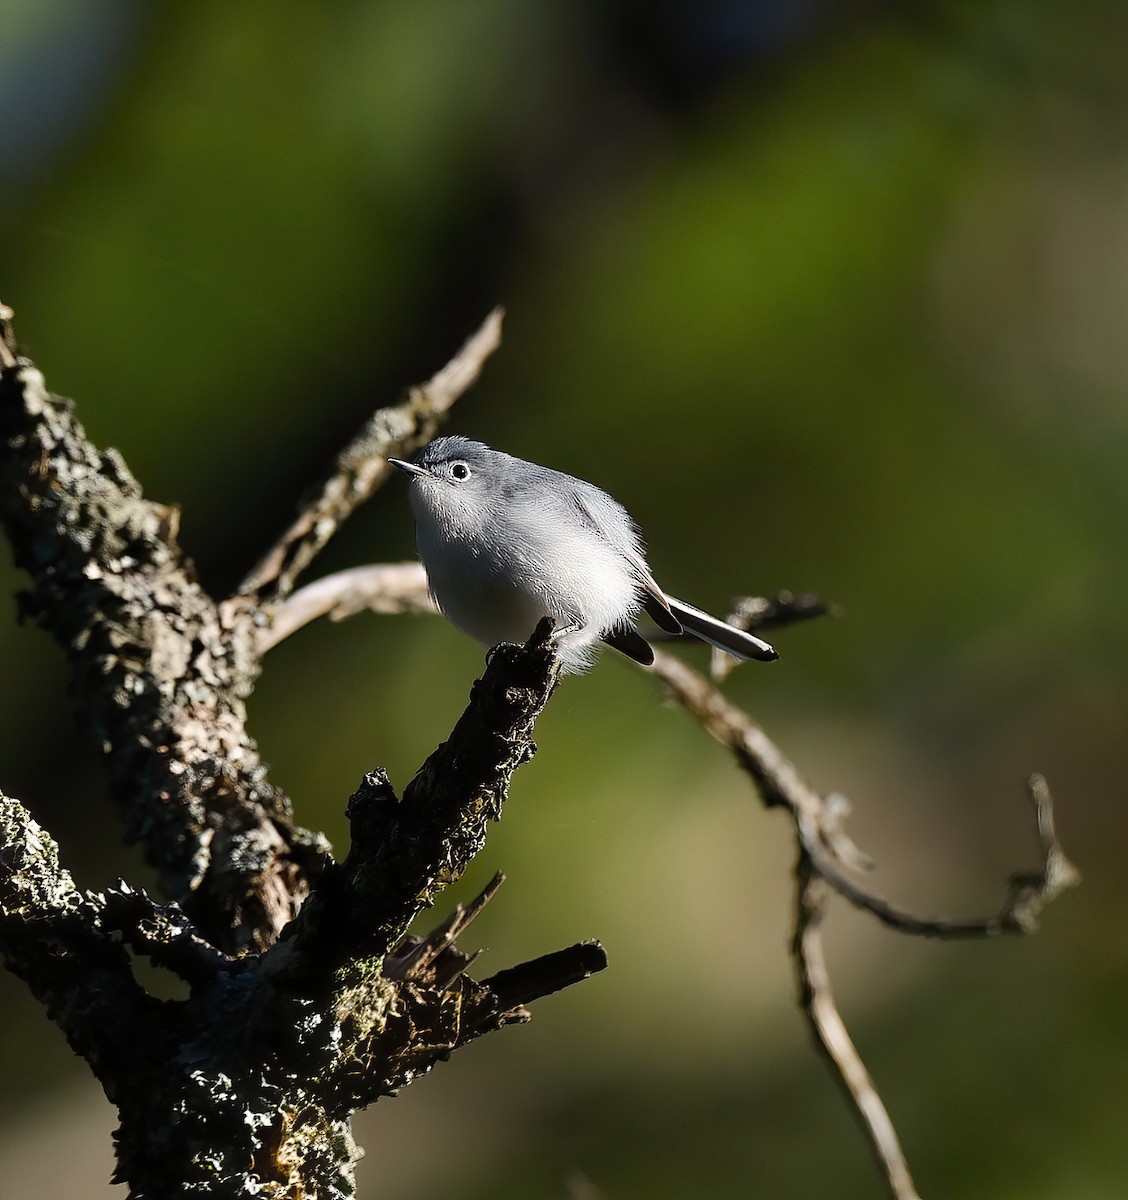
(496, 590)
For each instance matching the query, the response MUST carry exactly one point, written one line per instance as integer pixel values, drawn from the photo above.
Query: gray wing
(615, 525)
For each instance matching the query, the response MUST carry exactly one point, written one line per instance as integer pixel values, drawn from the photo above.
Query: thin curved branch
(816, 998)
(378, 587)
(1028, 892)
(363, 464)
(824, 853)
(818, 820)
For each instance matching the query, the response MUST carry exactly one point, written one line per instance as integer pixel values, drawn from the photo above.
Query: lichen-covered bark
(160, 671)
(52, 937)
(247, 1087)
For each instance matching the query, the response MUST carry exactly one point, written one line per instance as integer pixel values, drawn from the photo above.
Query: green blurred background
(832, 296)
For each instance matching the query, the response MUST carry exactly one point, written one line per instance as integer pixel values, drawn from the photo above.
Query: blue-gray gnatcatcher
(506, 542)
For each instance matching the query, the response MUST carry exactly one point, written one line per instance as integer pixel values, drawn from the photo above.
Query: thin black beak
(408, 468)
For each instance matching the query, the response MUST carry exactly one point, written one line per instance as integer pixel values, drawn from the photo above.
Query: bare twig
(1028, 892)
(378, 587)
(518, 986)
(824, 854)
(817, 1001)
(363, 464)
(818, 820)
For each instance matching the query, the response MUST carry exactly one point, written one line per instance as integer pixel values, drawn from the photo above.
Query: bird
(507, 542)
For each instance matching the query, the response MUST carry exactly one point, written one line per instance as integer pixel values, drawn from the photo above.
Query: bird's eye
(460, 471)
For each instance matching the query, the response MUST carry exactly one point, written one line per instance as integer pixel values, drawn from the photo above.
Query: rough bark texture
(247, 1086)
(160, 671)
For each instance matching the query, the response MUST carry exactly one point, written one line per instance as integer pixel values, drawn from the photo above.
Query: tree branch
(550, 973)
(829, 1031)
(160, 671)
(824, 852)
(163, 933)
(52, 938)
(378, 587)
(405, 851)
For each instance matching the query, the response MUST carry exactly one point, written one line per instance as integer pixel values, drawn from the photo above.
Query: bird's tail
(733, 641)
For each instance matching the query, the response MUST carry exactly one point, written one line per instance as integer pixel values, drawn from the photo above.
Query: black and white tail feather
(676, 617)
(720, 634)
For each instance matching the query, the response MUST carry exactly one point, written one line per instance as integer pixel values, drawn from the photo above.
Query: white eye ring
(459, 471)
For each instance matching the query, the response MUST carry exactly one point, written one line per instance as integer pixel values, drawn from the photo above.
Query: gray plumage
(506, 542)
